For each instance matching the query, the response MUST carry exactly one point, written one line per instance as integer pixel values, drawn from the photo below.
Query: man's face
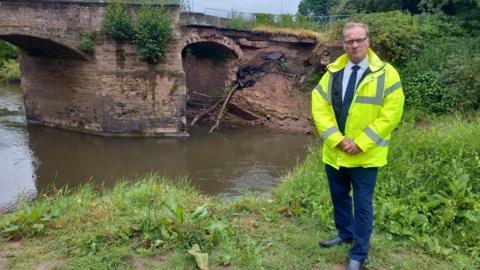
(355, 44)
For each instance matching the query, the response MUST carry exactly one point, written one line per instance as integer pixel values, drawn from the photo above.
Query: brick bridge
(112, 91)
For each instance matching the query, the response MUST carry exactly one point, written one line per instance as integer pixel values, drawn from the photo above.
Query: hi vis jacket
(375, 111)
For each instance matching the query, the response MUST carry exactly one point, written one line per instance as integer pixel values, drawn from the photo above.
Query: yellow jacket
(375, 111)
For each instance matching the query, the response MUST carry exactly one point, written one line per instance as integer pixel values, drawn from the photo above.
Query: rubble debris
(248, 75)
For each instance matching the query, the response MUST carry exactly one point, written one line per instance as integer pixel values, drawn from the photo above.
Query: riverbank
(427, 208)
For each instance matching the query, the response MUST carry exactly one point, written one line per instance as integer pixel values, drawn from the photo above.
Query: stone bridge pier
(112, 91)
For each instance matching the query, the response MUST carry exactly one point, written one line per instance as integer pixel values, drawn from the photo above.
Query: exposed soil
(273, 89)
(5, 248)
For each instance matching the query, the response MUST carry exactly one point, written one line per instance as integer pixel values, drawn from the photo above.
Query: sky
(249, 6)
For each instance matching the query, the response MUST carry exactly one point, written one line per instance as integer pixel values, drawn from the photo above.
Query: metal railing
(244, 20)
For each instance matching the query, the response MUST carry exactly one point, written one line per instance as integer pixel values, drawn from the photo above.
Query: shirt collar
(363, 64)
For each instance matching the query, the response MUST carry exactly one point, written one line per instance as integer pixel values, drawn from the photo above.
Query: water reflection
(229, 162)
(225, 163)
(16, 160)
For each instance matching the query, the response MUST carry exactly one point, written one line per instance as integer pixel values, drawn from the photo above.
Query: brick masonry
(114, 92)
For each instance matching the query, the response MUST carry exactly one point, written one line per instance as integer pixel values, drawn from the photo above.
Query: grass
(426, 216)
(298, 32)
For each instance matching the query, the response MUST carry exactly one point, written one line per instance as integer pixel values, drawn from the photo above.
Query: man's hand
(348, 146)
(353, 149)
(344, 145)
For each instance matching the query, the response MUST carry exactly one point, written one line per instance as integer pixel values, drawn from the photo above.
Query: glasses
(358, 41)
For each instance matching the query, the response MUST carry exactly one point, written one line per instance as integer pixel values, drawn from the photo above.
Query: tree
(370, 6)
(466, 10)
(315, 7)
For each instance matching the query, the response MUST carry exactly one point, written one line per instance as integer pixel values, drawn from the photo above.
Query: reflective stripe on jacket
(375, 111)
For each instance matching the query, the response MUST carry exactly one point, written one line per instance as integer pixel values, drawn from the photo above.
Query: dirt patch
(274, 89)
(247, 224)
(5, 249)
(141, 263)
(48, 264)
(338, 267)
(3, 261)
(275, 103)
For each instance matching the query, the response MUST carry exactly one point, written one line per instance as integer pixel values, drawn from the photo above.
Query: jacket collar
(375, 63)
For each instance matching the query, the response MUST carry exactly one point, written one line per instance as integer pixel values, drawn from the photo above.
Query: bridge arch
(210, 65)
(44, 45)
(222, 40)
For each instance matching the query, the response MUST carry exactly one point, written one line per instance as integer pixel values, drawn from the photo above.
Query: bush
(286, 20)
(424, 92)
(153, 29)
(461, 73)
(10, 71)
(239, 22)
(399, 36)
(7, 52)
(150, 32)
(443, 77)
(264, 19)
(117, 21)
(86, 43)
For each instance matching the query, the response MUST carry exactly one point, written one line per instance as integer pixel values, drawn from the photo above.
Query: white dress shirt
(348, 70)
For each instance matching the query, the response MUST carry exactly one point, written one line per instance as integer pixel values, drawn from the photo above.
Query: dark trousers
(353, 225)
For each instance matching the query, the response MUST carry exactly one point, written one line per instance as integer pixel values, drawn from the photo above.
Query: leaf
(225, 259)
(179, 215)
(200, 212)
(38, 227)
(164, 221)
(470, 216)
(11, 229)
(35, 215)
(170, 203)
(200, 258)
(217, 230)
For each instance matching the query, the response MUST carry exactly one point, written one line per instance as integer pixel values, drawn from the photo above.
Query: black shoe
(354, 265)
(333, 242)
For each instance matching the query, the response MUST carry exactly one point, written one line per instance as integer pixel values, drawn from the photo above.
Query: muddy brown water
(33, 158)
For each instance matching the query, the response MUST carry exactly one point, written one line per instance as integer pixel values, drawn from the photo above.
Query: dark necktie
(347, 100)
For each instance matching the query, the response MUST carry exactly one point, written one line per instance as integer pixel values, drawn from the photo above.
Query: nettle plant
(150, 32)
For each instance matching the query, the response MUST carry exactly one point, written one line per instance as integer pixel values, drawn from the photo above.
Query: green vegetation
(117, 22)
(283, 21)
(86, 43)
(7, 52)
(9, 67)
(466, 11)
(443, 76)
(151, 30)
(10, 71)
(427, 216)
(436, 49)
(437, 58)
(400, 36)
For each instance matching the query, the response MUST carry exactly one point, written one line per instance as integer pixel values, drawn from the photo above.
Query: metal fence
(244, 20)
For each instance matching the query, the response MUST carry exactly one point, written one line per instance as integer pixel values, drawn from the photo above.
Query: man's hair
(354, 24)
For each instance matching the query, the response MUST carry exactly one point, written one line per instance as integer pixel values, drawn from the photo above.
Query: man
(356, 106)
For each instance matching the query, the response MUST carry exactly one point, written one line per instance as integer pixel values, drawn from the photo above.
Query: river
(227, 163)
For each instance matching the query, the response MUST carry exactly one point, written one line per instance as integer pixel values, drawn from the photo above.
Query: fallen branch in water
(201, 94)
(205, 112)
(224, 106)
